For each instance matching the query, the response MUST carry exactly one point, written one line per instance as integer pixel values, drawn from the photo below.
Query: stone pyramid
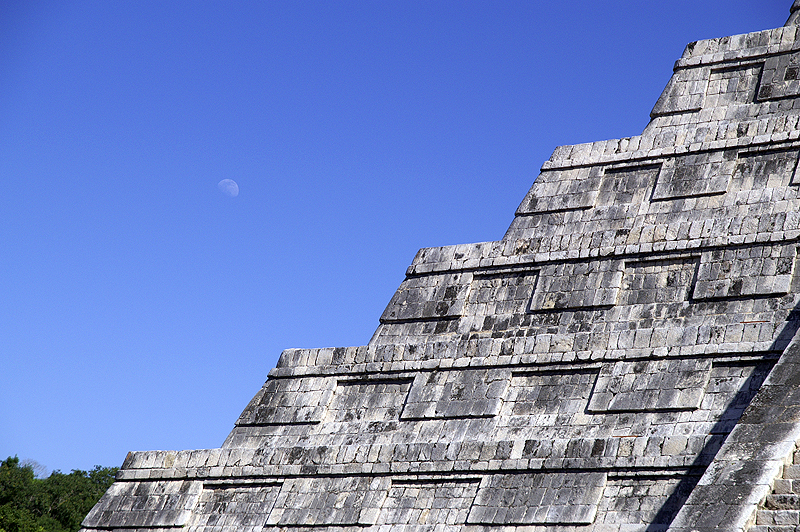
(624, 359)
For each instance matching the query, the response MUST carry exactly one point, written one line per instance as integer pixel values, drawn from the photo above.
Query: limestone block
(368, 400)
(289, 402)
(549, 393)
(500, 293)
(694, 175)
(684, 93)
(428, 297)
(539, 498)
(239, 506)
(657, 281)
(158, 503)
(765, 170)
(733, 85)
(562, 190)
(782, 502)
(429, 502)
(343, 501)
(623, 185)
(577, 285)
(457, 394)
(760, 270)
(780, 78)
(778, 517)
(650, 385)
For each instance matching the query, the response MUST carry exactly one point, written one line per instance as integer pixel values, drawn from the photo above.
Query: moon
(229, 187)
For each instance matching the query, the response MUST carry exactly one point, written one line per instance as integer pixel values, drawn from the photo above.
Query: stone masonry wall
(623, 360)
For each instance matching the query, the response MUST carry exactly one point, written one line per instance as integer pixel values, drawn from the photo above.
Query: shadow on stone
(725, 425)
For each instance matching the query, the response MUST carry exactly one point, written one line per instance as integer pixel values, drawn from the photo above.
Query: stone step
(778, 517)
(784, 486)
(791, 472)
(773, 528)
(782, 501)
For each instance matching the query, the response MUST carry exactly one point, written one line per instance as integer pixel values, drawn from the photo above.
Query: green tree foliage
(57, 503)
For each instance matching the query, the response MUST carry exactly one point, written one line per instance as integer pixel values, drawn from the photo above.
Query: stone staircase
(780, 512)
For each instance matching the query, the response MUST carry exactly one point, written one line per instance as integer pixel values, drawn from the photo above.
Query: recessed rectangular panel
(733, 85)
(694, 175)
(234, 507)
(650, 385)
(289, 402)
(780, 78)
(561, 190)
(730, 389)
(145, 504)
(549, 393)
(428, 297)
(538, 499)
(323, 501)
(684, 93)
(577, 285)
(500, 295)
(368, 400)
(762, 170)
(428, 502)
(623, 189)
(759, 270)
(457, 394)
(658, 281)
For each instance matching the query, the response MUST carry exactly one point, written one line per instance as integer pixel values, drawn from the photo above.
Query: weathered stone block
(428, 297)
(575, 286)
(457, 394)
(367, 400)
(562, 191)
(684, 93)
(650, 386)
(146, 504)
(694, 175)
(544, 498)
(745, 272)
(335, 501)
(289, 402)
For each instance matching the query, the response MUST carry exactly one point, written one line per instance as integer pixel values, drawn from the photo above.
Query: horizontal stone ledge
(427, 319)
(776, 41)
(564, 160)
(529, 364)
(227, 483)
(548, 362)
(624, 466)
(254, 477)
(509, 261)
(747, 55)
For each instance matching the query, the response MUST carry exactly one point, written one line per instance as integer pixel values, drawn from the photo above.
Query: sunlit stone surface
(623, 359)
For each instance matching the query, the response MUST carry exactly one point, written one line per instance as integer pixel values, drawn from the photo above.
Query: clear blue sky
(141, 308)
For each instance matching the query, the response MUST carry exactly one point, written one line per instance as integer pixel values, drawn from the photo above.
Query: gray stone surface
(651, 385)
(544, 498)
(457, 394)
(623, 360)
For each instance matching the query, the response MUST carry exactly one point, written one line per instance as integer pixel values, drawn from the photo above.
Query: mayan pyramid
(623, 360)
